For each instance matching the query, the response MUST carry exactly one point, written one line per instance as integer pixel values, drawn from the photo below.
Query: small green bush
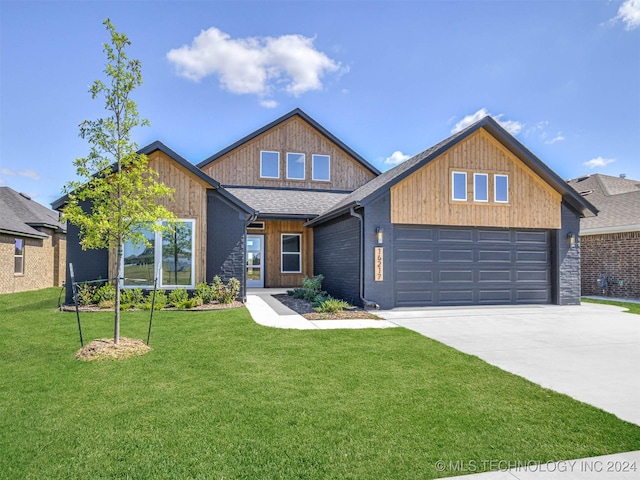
(178, 296)
(313, 283)
(132, 297)
(161, 300)
(204, 292)
(332, 305)
(106, 293)
(217, 288)
(230, 291)
(319, 299)
(85, 293)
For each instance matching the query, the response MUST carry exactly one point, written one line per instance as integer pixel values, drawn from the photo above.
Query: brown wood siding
(273, 231)
(241, 166)
(424, 197)
(189, 202)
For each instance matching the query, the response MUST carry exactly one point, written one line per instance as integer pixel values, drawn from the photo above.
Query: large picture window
(291, 253)
(169, 251)
(321, 168)
(18, 268)
(295, 166)
(269, 164)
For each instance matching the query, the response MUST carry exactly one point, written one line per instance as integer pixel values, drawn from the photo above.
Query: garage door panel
(449, 266)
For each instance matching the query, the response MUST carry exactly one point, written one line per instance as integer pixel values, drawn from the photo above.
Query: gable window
(291, 261)
(170, 252)
(321, 168)
(269, 164)
(501, 188)
(295, 166)
(18, 268)
(459, 186)
(480, 187)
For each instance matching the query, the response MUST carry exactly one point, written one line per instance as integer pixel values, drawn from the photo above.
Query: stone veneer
(614, 254)
(44, 262)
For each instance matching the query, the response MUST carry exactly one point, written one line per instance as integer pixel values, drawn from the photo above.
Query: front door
(255, 261)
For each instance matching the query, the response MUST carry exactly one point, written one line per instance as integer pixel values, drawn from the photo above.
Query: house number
(379, 261)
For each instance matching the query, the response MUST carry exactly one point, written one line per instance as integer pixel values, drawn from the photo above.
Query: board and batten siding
(241, 166)
(273, 229)
(189, 201)
(425, 198)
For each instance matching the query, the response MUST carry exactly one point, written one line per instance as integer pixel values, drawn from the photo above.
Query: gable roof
(19, 215)
(287, 203)
(282, 119)
(157, 145)
(617, 199)
(377, 186)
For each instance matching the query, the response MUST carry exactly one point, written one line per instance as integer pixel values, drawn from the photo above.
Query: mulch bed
(209, 306)
(105, 349)
(305, 309)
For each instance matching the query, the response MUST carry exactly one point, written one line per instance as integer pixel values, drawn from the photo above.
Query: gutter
(365, 302)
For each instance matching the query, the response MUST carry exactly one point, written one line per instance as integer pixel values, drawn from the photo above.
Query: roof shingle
(20, 215)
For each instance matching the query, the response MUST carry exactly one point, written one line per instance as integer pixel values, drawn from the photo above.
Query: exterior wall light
(379, 238)
(572, 239)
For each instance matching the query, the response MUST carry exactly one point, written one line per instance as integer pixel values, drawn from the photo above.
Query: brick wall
(43, 262)
(614, 254)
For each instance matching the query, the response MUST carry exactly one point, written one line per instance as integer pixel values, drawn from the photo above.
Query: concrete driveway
(590, 352)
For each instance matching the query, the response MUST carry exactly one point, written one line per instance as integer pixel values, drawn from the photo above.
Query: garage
(471, 266)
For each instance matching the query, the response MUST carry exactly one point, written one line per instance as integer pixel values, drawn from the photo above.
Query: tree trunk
(116, 327)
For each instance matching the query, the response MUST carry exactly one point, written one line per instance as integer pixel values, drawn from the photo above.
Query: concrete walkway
(590, 352)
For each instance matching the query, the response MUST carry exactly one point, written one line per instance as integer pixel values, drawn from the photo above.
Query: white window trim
(486, 178)
(157, 260)
(269, 151)
(313, 170)
(453, 187)
(495, 188)
(304, 166)
(18, 256)
(283, 253)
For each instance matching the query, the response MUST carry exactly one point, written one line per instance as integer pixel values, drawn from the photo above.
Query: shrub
(178, 297)
(332, 305)
(299, 293)
(85, 293)
(161, 300)
(230, 291)
(217, 288)
(132, 298)
(105, 294)
(188, 303)
(313, 283)
(204, 292)
(319, 299)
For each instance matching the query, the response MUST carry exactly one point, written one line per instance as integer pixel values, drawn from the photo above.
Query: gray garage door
(471, 266)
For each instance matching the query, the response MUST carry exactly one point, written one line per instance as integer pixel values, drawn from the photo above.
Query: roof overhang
(14, 233)
(605, 230)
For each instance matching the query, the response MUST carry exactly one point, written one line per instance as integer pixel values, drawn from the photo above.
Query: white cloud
(598, 162)
(255, 65)
(396, 158)
(629, 13)
(512, 126)
(32, 174)
(558, 138)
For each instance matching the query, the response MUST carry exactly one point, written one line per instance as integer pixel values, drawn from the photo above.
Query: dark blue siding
(568, 259)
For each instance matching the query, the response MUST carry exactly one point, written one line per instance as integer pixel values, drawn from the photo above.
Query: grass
(632, 307)
(222, 397)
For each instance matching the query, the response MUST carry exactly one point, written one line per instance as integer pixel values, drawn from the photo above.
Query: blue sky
(389, 78)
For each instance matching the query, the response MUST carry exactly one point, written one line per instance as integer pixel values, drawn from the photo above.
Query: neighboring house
(32, 244)
(477, 219)
(610, 242)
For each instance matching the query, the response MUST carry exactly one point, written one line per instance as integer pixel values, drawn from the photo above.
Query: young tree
(117, 194)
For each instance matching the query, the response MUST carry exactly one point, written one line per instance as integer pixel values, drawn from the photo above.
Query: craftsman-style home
(476, 219)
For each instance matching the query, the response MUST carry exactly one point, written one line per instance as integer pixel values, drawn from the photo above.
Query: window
(295, 166)
(321, 168)
(459, 186)
(291, 253)
(269, 165)
(171, 251)
(501, 188)
(19, 257)
(480, 187)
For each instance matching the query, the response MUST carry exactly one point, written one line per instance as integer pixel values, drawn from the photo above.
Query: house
(32, 244)
(476, 219)
(610, 242)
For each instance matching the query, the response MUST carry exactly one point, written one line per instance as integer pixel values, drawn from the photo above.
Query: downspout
(365, 302)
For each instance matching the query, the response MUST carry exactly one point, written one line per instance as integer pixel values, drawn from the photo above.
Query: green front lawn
(632, 307)
(222, 397)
